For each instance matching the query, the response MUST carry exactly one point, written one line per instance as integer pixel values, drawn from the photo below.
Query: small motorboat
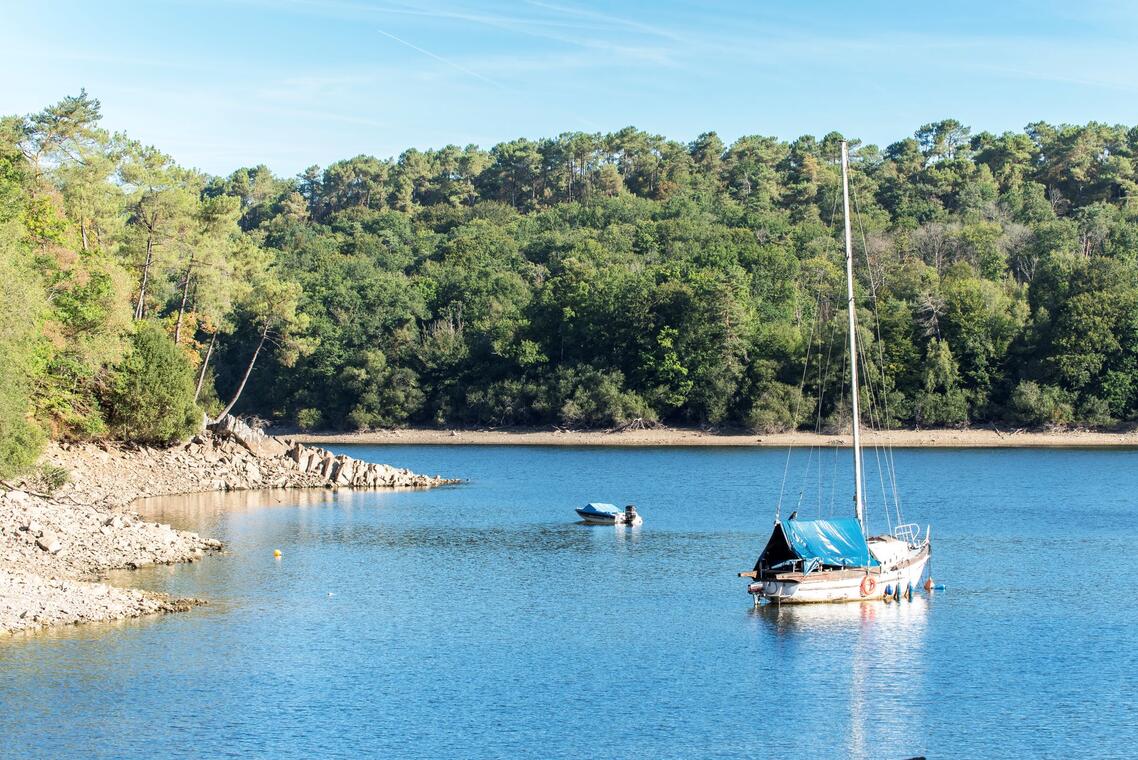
(599, 513)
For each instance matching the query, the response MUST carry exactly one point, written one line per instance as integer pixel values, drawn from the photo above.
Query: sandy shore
(973, 438)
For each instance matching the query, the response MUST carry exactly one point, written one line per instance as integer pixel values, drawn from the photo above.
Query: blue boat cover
(838, 542)
(600, 508)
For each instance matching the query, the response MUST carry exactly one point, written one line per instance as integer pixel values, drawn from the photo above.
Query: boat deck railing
(909, 533)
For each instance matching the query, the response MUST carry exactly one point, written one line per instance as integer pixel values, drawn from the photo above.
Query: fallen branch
(637, 424)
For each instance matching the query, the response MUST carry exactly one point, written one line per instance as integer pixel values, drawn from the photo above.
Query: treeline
(584, 280)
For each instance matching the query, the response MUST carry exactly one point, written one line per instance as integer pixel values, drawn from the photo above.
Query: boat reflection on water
(905, 617)
(874, 652)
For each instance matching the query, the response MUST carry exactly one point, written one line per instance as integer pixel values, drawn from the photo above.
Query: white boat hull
(849, 585)
(617, 519)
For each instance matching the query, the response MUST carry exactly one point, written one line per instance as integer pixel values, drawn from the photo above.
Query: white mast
(859, 492)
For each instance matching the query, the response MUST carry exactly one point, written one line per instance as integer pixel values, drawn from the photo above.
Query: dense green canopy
(584, 280)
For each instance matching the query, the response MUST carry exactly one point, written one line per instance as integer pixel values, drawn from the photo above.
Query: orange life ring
(867, 585)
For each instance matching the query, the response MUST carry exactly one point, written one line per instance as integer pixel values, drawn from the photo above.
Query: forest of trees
(583, 280)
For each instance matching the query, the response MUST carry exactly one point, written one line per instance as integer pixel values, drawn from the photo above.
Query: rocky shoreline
(56, 548)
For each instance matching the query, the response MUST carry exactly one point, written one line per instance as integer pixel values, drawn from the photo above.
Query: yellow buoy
(277, 553)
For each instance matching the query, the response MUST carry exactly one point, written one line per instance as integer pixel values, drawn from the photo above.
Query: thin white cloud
(608, 19)
(1122, 84)
(448, 62)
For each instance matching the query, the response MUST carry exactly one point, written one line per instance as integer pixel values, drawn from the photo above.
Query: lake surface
(483, 621)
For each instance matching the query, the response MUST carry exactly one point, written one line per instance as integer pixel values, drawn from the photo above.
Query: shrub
(308, 419)
(52, 478)
(20, 439)
(208, 399)
(151, 395)
(593, 398)
(778, 409)
(942, 401)
(503, 402)
(1095, 411)
(948, 408)
(1035, 404)
(838, 421)
(384, 395)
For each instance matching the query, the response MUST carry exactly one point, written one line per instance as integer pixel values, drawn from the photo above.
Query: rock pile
(49, 549)
(226, 458)
(79, 541)
(343, 471)
(31, 601)
(255, 440)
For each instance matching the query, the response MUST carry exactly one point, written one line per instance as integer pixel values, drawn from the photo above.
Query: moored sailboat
(835, 560)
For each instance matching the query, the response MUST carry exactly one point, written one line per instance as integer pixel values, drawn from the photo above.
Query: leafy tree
(384, 395)
(593, 398)
(151, 391)
(271, 307)
(162, 203)
(22, 312)
(941, 401)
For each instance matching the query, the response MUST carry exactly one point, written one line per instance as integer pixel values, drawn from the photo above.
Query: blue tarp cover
(833, 542)
(599, 507)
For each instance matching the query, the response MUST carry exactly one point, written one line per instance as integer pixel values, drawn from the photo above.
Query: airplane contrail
(439, 58)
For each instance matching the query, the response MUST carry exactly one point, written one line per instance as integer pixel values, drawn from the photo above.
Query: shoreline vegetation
(582, 281)
(668, 436)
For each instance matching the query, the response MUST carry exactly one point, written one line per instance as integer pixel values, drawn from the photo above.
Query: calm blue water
(481, 621)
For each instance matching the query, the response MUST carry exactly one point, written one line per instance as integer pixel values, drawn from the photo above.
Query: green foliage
(23, 309)
(308, 419)
(779, 409)
(51, 478)
(586, 279)
(383, 395)
(151, 391)
(1034, 404)
(506, 402)
(21, 440)
(593, 398)
(940, 401)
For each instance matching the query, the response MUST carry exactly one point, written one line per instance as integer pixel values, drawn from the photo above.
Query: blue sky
(291, 83)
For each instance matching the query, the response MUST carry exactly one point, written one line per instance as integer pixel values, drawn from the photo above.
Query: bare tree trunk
(248, 371)
(140, 308)
(205, 364)
(83, 232)
(185, 296)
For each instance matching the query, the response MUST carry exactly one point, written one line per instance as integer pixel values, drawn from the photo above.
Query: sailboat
(836, 560)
